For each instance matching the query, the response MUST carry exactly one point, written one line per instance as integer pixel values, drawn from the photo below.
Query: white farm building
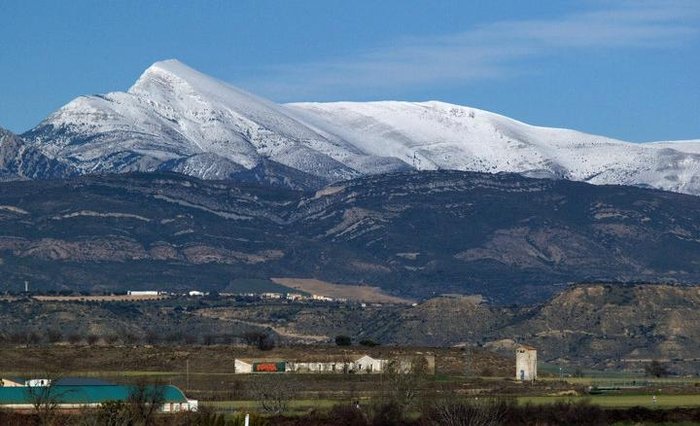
(330, 364)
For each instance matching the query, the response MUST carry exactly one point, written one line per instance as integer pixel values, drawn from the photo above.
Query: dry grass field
(358, 293)
(206, 372)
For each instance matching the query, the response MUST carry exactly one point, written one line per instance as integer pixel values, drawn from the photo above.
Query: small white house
(367, 364)
(37, 382)
(13, 382)
(525, 363)
(143, 293)
(195, 293)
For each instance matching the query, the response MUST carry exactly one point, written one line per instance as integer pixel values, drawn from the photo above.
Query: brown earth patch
(361, 293)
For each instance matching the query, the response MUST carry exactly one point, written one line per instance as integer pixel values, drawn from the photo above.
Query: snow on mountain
(437, 135)
(18, 161)
(174, 113)
(689, 146)
(176, 118)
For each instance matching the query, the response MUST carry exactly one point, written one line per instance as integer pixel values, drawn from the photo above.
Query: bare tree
(144, 401)
(45, 397)
(75, 338)
(111, 339)
(656, 369)
(273, 394)
(91, 339)
(110, 413)
(405, 380)
(468, 412)
(54, 335)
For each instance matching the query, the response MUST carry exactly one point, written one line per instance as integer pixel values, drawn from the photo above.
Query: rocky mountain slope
(509, 238)
(19, 161)
(177, 119)
(598, 325)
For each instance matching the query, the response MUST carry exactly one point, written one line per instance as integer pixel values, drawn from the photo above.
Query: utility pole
(187, 385)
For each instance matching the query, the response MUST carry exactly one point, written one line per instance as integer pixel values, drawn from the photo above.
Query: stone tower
(525, 363)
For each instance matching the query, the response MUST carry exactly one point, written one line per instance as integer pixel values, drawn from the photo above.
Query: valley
(606, 327)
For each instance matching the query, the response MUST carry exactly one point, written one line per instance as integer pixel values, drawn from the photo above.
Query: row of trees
(260, 339)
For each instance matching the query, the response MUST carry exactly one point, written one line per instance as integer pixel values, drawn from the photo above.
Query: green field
(607, 401)
(620, 401)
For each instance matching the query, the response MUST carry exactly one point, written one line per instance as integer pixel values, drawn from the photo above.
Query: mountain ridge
(177, 119)
(416, 234)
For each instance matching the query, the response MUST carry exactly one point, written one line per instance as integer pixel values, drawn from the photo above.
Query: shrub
(342, 340)
(347, 415)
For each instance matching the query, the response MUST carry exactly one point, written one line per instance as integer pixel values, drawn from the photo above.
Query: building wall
(168, 407)
(240, 367)
(525, 364)
(364, 364)
(176, 407)
(367, 364)
(319, 367)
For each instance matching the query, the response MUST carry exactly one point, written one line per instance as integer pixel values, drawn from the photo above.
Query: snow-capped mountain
(437, 135)
(175, 118)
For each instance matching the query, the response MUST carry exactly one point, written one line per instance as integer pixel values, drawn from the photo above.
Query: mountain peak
(171, 66)
(171, 75)
(166, 71)
(174, 114)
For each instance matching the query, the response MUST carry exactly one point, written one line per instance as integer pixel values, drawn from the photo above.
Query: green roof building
(76, 396)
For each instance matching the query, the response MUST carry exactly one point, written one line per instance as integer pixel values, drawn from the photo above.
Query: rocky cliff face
(21, 161)
(598, 325)
(616, 325)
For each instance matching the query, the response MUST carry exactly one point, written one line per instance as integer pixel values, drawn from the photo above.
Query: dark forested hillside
(509, 238)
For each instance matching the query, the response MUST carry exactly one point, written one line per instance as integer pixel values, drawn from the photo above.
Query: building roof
(528, 347)
(321, 358)
(81, 381)
(83, 394)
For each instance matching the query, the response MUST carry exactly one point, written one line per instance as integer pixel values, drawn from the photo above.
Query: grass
(619, 401)
(296, 407)
(623, 379)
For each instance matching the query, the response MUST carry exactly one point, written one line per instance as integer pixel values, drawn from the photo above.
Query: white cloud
(488, 51)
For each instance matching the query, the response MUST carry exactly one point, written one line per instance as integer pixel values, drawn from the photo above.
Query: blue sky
(623, 68)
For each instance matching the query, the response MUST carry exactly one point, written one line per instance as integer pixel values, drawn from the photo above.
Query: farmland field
(360, 293)
(620, 401)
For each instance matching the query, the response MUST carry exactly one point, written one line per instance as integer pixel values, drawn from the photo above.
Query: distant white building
(37, 382)
(525, 363)
(13, 382)
(330, 364)
(321, 298)
(295, 296)
(271, 295)
(367, 364)
(193, 293)
(142, 293)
